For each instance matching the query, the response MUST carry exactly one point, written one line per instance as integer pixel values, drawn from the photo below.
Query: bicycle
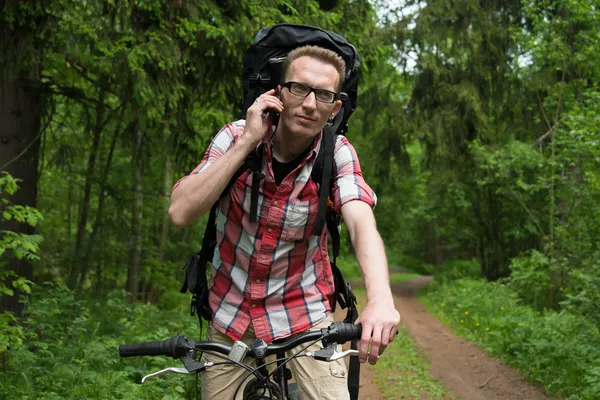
(262, 386)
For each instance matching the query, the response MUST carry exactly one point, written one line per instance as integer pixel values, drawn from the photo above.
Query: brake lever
(167, 371)
(337, 356)
(191, 367)
(330, 354)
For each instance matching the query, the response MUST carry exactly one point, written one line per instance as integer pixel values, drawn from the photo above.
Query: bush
(14, 245)
(457, 269)
(410, 263)
(530, 278)
(71, 349)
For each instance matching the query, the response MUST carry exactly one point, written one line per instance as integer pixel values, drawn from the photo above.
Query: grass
(403, 370)
(400, 277)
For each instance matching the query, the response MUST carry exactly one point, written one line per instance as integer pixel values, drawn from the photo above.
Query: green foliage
(530, 279)
(557, 350)
(71, 348)
(403, 277)
(457, 269)
(349, 267)
(477, 127)
(11, 243)
(398, 259)
(171, 70)
(18, 246)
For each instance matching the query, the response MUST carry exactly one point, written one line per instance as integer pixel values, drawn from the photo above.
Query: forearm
(196, 194)
(370, 254)
(379, 318)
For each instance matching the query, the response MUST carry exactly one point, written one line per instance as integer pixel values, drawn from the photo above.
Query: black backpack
(263, 62)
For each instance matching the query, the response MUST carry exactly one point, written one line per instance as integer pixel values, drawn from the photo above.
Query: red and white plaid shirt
(275, 273)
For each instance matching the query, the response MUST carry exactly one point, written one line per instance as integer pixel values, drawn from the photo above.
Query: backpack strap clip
(254, 77)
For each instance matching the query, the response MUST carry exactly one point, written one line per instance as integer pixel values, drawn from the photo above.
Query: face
(306, 116)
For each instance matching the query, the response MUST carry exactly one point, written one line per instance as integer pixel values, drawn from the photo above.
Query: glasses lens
(299, 89)
(325, 96)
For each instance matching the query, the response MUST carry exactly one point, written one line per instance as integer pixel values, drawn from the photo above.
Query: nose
(310, 101)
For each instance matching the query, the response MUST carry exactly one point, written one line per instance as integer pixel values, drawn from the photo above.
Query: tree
(21, 111)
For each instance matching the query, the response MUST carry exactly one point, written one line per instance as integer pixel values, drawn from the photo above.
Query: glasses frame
(289, 84)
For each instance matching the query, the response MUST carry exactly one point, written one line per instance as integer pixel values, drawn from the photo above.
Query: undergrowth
(71, 349)
(557, 350)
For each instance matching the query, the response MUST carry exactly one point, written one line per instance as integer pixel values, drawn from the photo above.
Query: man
(272, 278)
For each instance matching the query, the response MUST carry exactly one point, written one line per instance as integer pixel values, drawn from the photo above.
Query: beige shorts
(316, 379)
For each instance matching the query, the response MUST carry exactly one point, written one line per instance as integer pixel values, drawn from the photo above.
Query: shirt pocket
(299, 220)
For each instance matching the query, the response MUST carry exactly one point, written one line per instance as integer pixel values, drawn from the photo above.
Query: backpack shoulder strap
(328, 148)
(195, 269)
(322, 172)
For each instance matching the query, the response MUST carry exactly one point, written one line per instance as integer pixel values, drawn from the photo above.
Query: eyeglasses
(299, 89)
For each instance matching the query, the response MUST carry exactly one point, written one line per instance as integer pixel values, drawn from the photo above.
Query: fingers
(267, 101)
(374, 351)
(385, 340)
(365, 340)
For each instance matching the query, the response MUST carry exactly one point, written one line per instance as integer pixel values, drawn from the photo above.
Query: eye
(300, 88)
(325, 95)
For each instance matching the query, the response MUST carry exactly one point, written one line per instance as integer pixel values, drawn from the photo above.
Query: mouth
(304, 119)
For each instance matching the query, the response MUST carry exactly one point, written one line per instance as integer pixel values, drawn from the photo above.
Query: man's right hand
(258, 119)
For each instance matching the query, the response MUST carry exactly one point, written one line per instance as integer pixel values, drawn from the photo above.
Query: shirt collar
(270, 137)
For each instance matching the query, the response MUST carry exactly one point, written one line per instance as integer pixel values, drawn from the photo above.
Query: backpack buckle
(264, 79)
(254, 77)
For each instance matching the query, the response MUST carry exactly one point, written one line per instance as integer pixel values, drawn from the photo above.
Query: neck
(287, 146)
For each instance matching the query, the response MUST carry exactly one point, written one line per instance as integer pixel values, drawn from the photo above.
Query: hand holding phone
(267, 104)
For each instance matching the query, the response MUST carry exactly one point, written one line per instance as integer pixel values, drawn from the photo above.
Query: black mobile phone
(274, 117)
(273, 114)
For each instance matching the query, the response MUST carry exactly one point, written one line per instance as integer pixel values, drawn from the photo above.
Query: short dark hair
(319, 53)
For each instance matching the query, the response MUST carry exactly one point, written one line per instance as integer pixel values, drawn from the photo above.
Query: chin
(307, 130)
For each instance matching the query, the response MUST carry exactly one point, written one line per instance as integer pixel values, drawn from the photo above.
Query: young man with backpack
(271, 276)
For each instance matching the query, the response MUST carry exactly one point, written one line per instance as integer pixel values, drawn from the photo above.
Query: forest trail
(466, 371)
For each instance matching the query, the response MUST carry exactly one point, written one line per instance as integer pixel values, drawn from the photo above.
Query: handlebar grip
(175, 347)
(341, 332)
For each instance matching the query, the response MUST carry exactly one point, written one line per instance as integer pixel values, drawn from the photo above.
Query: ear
(336, 108)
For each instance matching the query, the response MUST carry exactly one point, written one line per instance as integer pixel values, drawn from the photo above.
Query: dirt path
(465, 370)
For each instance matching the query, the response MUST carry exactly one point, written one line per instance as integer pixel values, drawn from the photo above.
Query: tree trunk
(101, 198)
(135, 248)
(439, 243)
(87, 191)
(151, 293)
(20, 121)
(166, 195)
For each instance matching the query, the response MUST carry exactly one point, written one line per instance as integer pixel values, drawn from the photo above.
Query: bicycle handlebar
(178, 346)
(175, 347)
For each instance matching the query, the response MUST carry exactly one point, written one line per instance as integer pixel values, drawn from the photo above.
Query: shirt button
(263, 256)
(275, 202)
(270, 230)
(257, 281)
(253, 305)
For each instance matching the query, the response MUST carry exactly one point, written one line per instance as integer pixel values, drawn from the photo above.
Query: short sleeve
(349, 182)
(220, 144)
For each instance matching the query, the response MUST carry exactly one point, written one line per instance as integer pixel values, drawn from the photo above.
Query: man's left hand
(380, 322)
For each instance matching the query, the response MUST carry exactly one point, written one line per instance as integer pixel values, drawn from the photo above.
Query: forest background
(478, 127)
